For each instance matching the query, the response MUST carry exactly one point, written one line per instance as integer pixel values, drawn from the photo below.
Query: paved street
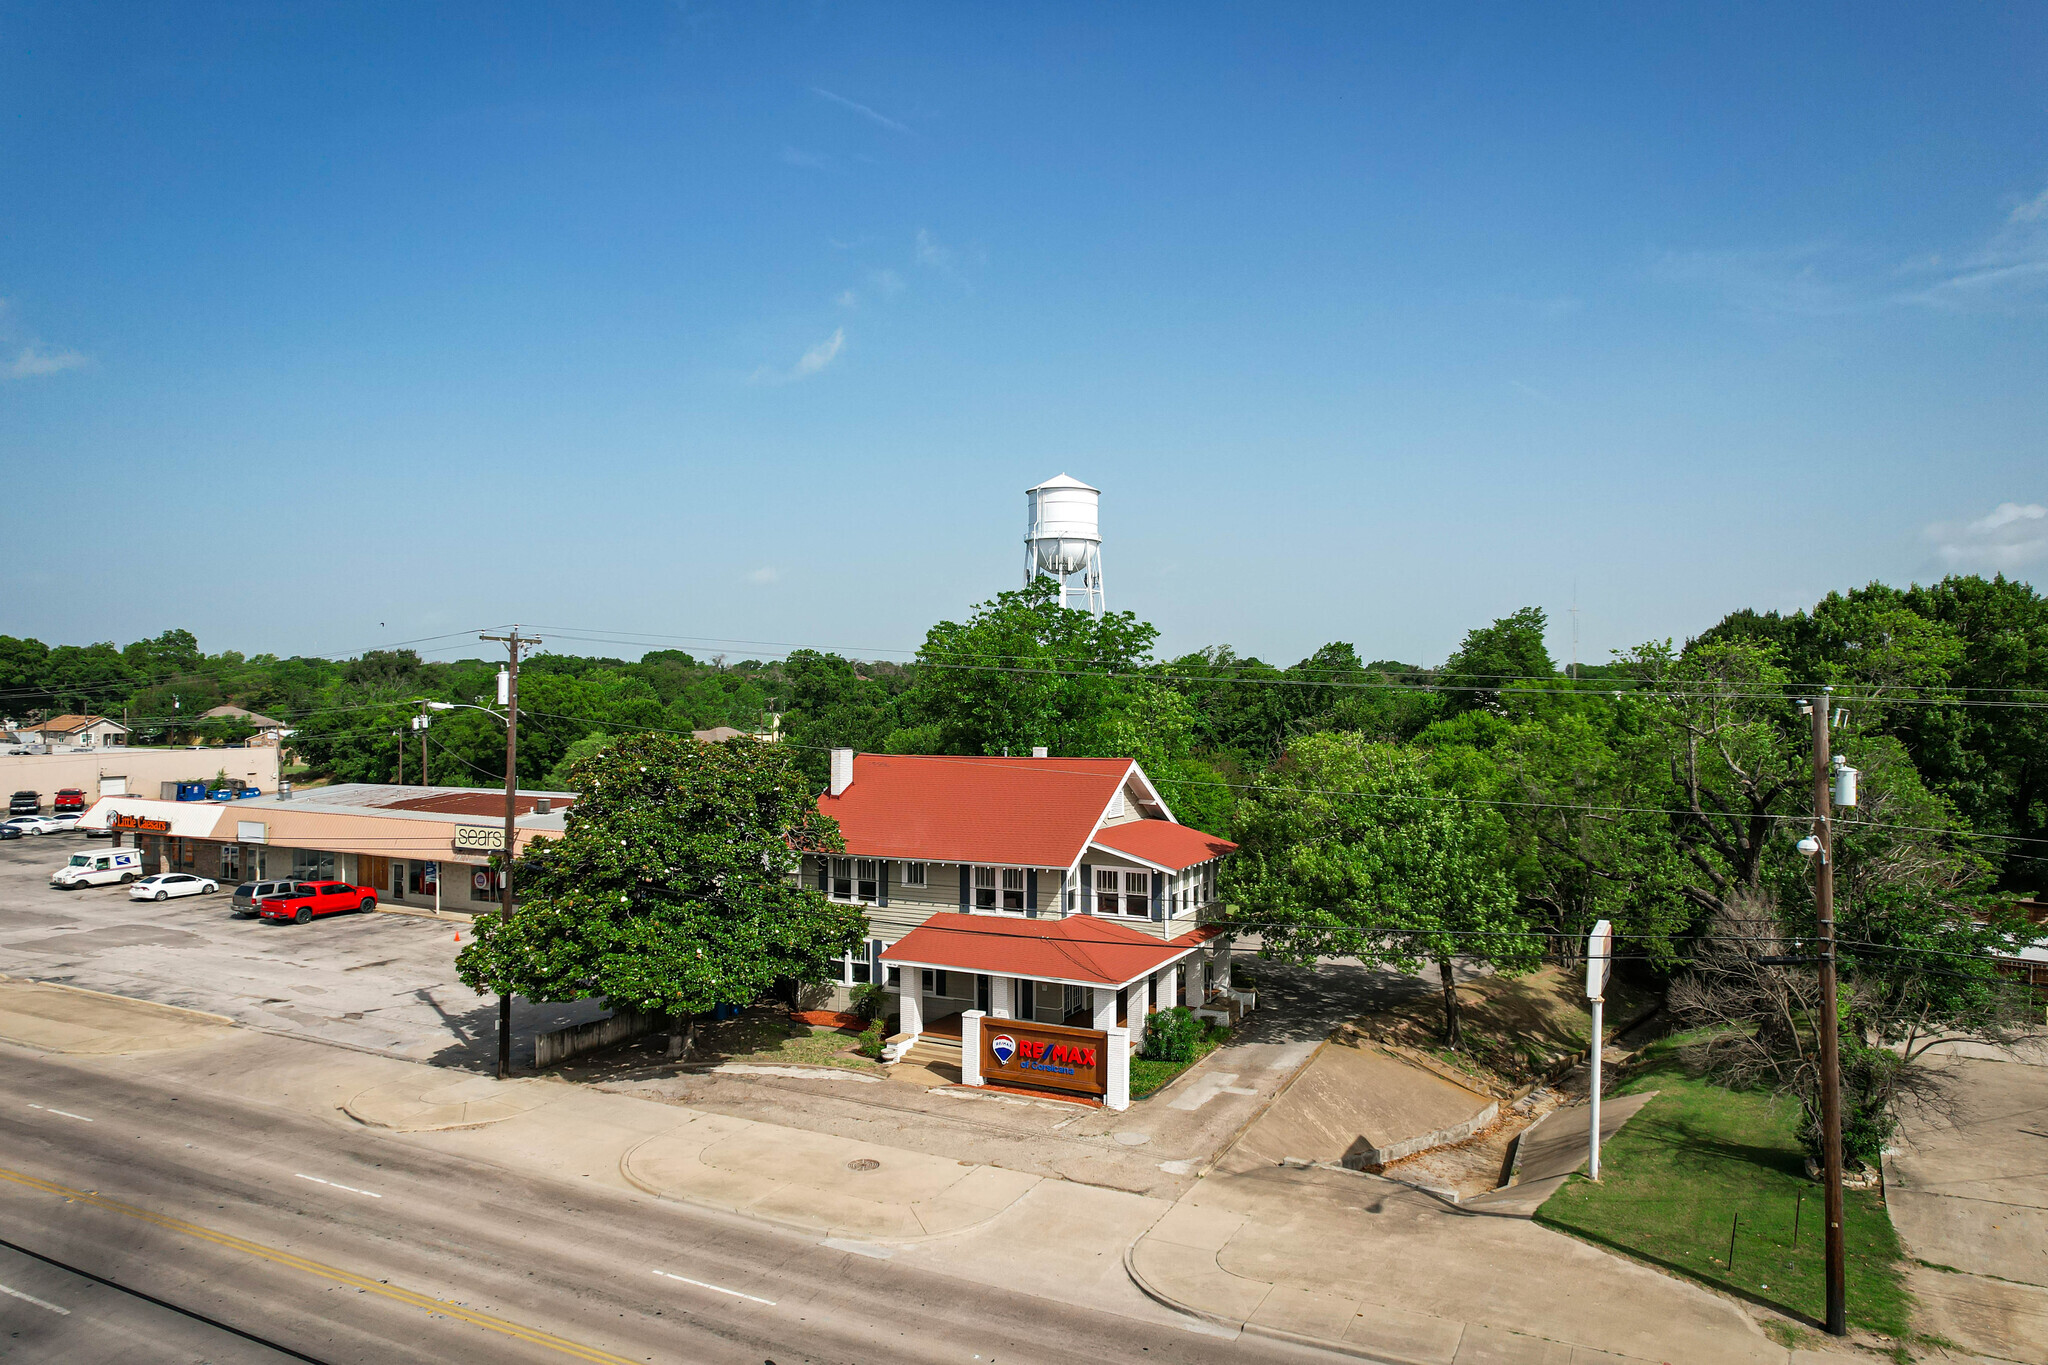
(347, 1244)
(385, 982)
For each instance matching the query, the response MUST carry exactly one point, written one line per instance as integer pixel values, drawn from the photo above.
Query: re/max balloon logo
(1004, 1046)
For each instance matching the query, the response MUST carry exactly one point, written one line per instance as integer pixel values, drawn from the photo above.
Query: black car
(9, 832)
(25, 803)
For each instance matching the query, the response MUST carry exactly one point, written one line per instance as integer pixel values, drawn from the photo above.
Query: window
(853, 970)
(231, 861)
(895, 976)
(1138, 893)
(1105, 892)
(1013, 888)
(864, 877)
(913, 874)
(984, 888)
(933, 981)
(484, 885)
(842, 879)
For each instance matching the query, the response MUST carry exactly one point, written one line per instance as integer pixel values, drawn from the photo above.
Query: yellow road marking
(532, 1335)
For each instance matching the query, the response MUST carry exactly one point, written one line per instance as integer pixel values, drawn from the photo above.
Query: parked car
(9, 832)
(99, 831)
(249, 896)
(102, 867)
(64, 820)
(307, 899)
(70, 799)
(36, 824)
(165, 885)
(25, 803)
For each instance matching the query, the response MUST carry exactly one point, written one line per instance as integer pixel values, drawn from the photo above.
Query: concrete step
(927, 1050)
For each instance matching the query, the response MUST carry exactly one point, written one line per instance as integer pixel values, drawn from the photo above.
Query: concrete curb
(124, 999)
(790, 1224)
(1165, 1300)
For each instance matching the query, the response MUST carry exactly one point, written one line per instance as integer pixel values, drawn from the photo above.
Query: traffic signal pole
(1830, 1035)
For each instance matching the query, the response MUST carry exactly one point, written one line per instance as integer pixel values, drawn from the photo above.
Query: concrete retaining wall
(1442, 1137)
(577, 1039)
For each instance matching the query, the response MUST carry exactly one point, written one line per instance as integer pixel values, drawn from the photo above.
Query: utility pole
(399, 735)
(513, 643)
(1830, 1042)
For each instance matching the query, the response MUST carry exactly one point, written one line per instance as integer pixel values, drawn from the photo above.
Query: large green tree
(670, 891)
(1350, 850)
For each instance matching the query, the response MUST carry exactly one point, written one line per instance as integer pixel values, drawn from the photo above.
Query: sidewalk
(1336, 1259)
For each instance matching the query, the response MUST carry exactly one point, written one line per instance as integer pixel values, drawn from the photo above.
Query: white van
(103, 868)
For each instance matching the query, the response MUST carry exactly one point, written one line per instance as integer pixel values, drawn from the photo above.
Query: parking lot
(382, 982)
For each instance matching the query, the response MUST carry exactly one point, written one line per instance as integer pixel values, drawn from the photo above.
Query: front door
(398, 879)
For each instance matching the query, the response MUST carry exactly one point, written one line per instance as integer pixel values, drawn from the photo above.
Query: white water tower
(1062, 540)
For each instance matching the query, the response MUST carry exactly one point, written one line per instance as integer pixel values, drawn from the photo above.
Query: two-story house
(1059, 890)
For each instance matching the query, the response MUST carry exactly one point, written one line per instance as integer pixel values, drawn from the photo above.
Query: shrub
(869, 1001)
(1172, 1035)
(872, 1038)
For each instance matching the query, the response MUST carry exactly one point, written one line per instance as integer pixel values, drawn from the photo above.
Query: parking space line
(334, 1186)
(30, 1298)
(61, 1113)
(715, 1288)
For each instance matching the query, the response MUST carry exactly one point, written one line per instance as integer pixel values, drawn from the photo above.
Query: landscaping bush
(869, 1001)
(872, 1038)
(1172, 1036)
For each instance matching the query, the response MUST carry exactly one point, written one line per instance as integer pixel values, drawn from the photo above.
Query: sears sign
(1048, 1055)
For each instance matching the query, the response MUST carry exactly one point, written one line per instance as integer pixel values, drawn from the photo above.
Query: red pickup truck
(307, 899)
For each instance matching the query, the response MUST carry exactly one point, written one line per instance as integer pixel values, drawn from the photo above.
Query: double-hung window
(853, 969)
(1013, 888)
(1105, 891)
(842, 879)
(1138, 894)
(913, 874)
(864, 878)
(984, 888)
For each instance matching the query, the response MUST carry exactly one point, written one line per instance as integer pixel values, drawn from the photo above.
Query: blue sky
(327, 326)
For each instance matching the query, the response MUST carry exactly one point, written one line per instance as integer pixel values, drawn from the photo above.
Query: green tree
(670, 890)
(1349, 850)
(1509, 652)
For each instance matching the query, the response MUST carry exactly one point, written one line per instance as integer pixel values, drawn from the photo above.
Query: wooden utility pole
(1830, 1039)
(513, 644)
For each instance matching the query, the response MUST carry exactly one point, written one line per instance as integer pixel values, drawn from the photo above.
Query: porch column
(1000, 1005)
(1105, 1008)
(910, 1000)
(1223, 963)
(1119, 1045)
(970, 1047)
(1140, 1005)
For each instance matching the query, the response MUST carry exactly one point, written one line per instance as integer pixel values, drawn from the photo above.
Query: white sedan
(165, 885)
(39, 824)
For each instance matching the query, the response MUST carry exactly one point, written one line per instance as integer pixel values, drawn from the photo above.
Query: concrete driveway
(382, 982)
(1972, 1195)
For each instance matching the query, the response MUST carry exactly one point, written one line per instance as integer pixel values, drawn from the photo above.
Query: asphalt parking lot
(382, 982)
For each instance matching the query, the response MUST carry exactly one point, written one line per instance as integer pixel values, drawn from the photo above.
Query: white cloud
(863, 110)
(808, 364)
(764, 575)
(36, 359)
(847, 299)
(2012, 535)
(930, 252)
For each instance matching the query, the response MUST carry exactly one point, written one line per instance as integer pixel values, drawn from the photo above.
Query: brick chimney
(842, 770)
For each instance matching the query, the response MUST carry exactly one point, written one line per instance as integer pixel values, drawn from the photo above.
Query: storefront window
(231, 862)
(421, 878)
(485, 886)
(311, 866)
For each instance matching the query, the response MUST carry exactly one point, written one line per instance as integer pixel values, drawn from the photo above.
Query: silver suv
(249, 896)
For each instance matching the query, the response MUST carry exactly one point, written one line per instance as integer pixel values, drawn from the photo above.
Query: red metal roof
(1163, 842)
(1078, 948)
(1023, 812)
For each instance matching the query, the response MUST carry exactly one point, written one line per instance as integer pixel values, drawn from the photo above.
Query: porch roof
(1080, 950)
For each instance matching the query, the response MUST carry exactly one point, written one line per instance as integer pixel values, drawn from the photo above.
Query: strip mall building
(425, 849)
(1058, 893)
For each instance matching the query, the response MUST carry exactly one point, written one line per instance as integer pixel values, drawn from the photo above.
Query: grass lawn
(1147, 1077)
(1679, 1173)
(765, 1038)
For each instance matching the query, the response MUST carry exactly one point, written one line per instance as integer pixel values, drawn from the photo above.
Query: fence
(561, 1044)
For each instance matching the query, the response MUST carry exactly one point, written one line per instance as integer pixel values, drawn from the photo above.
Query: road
(343, 1246)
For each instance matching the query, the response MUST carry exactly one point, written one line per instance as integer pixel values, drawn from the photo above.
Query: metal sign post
(1599, 966)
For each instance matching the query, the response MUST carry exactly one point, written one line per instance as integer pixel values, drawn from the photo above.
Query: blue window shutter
(881, 881)
(825, 875)
(965, 903)
(875, 961)
(1158, 895)
(1031, 891)
(1087, 889)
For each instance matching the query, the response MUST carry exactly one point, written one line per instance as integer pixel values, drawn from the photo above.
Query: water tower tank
(1062, 538)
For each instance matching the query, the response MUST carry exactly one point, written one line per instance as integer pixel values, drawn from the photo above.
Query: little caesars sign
(1048, 1055)
(479, 838)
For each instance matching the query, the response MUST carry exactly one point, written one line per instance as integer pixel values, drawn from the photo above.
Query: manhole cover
(866, 1163)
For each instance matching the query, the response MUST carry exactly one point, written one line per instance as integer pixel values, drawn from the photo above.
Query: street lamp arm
(499, 716)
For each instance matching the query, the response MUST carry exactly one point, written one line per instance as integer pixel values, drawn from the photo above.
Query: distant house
(85, 732)
(268, 731)
(718, 734)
